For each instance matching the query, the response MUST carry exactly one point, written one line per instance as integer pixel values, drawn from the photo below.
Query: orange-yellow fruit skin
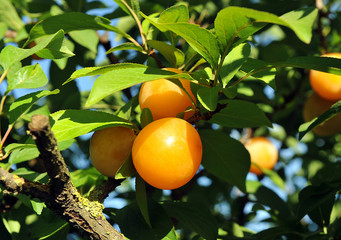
(165, 99)
(110, 147)
(263, 153)
(167, 153)
(314, 107)
(327, 85)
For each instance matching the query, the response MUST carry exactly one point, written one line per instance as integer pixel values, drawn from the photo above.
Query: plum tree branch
(14, 184)
(59, 194)
(101, 192)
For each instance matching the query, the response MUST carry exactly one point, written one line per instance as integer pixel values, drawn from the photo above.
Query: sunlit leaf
(24, 103)
(243, 22)
(9, 15)
(125, 46)
(121, 76)
(69, 124)
(175, 56)
(200, 39)
(233, 61)
(31, 76)
(72, 21)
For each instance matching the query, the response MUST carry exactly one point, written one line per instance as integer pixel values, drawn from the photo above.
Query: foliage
(248, 63)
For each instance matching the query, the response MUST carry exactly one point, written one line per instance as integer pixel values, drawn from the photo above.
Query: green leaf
(126, 170)
(120, 76)
(49, 226)
(57, 48)
(225, 157)
(258, 69)
(301, 22)
(146, 117)
(328, 174)
(53, 44)
(323, 64)
(331, 112)
(37, 206)
(173, 55)
(266, 71)
(123, 6)
(233, 61)
(72, 21)
(269, 198)
(86, 179)
(133, 225)
(14, 146)
(135, 5)
(36, 109)
(208, 97)
(125, 46)
(69, 124)
(193, 217)
(58, 233)
(87, 38)
(92, 71)
(141, 198)
(9, 15)
(23, 155)
(24, 152)
(274, 176)
(24, 103)
(278, 233)
(241, 114)
(171, 235)
(316, 198)
(31, 76)
(200, 39)
(174, 14)
(244, 22)
(3, 29)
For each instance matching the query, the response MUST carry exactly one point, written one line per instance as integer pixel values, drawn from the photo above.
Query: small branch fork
(59, 194)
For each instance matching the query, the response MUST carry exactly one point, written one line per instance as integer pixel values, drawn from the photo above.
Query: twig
(104, 41)
(207, 115)
(152, 54)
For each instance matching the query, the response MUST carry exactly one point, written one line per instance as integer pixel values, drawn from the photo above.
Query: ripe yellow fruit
(110, 147)
(262, 153)
(314, 107)
(167, 153)
(327, 85)
(166, 99)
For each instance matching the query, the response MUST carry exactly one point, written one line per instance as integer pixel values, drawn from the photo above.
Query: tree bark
(59, 194)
